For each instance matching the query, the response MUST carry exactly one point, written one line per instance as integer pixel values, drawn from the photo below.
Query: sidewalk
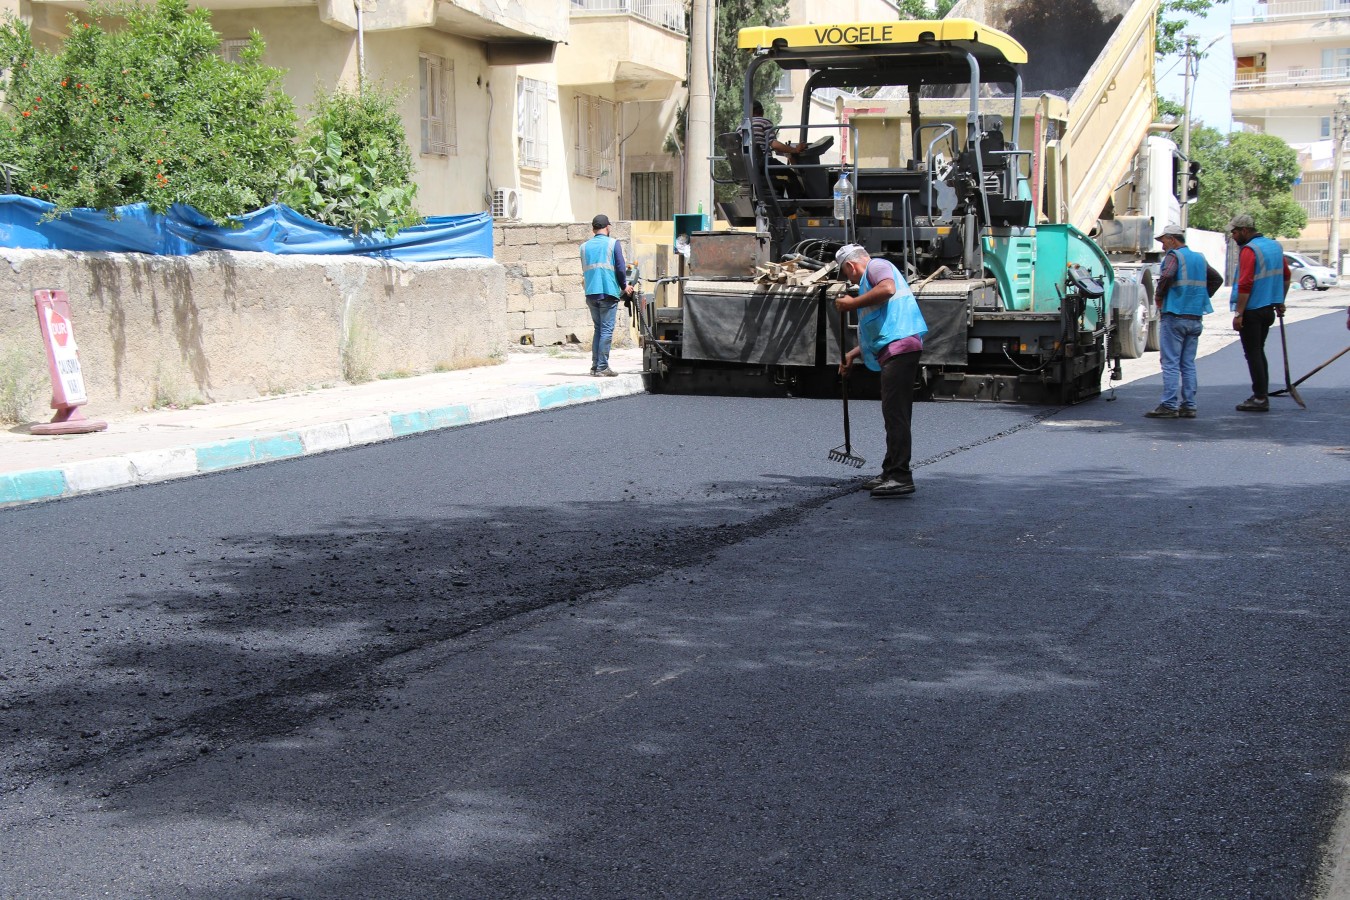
(156, 445)
(173, 443)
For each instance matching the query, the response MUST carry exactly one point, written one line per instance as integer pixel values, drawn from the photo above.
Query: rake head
(844, 455)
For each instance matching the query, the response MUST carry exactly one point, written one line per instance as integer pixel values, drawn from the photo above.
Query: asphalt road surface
(660, 647)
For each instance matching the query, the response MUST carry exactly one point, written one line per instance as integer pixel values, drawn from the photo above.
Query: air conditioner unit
(506, 203)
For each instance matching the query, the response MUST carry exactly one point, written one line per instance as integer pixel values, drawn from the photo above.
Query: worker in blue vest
(1185, 284)
(605, 274)
(1259, 289)
(890, 339)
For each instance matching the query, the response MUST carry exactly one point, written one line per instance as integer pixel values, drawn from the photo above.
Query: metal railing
(1295, 9)
(1315, 197)
(1291, 76)
(668, 14)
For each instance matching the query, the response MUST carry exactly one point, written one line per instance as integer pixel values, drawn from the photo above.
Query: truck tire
(1132, 329)
(1154, 342)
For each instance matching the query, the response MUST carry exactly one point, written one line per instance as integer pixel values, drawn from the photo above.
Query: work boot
(892, 488)
(1187, 412)
(1254, 404)
(874, 482)
(605, 373)
(1162, 412)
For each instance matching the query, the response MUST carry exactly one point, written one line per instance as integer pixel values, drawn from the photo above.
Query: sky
(1214, 80)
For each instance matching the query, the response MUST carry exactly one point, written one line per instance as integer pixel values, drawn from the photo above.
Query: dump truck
(1101, 161)
(1017, 309)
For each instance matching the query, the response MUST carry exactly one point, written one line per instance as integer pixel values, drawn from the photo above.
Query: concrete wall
(545, 297)
(221, 326)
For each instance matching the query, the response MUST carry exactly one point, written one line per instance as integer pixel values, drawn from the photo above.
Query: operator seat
(738, 211)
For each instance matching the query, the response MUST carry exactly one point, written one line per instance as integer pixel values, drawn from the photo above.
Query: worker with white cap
(1258, 296)
(890, 339)
(1185, 284)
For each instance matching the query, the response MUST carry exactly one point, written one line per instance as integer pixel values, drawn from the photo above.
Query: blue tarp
(275, 229)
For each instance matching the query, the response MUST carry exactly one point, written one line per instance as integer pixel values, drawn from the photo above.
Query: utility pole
(698, 185)
(1340, 131)
(1184, 175)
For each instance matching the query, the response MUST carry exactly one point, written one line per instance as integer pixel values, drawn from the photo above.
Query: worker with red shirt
(1258, 296)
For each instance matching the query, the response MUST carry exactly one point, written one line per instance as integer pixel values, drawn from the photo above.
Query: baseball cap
(1242, 221)
(845, 252)
(600, 221)
(1175, 231)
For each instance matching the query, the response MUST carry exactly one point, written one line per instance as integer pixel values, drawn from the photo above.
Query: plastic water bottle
(843, 196)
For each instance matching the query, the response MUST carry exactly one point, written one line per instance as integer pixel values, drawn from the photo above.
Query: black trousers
(897, 408)
(1255, 326)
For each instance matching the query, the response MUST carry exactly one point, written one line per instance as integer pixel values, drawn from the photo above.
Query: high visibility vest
(897, 318)
(597, 266)
(1188, 295)
(1268, 286)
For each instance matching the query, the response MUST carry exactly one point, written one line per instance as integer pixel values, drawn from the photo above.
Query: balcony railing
(1291, 77)
(1315, 196)
(668, 14)
(1275, 10)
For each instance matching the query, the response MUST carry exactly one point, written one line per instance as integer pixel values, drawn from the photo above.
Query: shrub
(355, 169)
(147, 113)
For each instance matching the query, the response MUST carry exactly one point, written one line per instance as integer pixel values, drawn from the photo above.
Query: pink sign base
(69, 420)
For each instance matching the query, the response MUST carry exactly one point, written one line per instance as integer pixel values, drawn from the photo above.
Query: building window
(436, 96)
(653, 196)
(532, 122)
(232, 50)
(596, 140)
(784, 86)
(1336, 62)
(1324, 128)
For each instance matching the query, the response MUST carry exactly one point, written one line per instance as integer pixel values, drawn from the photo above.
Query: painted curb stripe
(564, 394)
(223, 455)
(277, 446)
(429, 420)
(37, 484)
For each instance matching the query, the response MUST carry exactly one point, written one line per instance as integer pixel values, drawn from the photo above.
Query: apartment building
(1292, 67)
(540, 110)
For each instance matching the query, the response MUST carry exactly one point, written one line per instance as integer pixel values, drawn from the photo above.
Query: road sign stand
(63, 364)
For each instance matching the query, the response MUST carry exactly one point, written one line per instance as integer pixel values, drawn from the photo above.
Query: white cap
(847, 252)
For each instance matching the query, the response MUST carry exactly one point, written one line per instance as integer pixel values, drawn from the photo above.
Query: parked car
(1308, 274)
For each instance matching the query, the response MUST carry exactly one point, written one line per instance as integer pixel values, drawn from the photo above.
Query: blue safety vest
(597, 266)
(1188, 295)
(896, 319)
(1268, 286)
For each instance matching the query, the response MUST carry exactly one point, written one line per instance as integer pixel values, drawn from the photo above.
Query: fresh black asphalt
(659, 647)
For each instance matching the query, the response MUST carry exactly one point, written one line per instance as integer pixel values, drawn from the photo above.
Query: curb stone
(147, 467)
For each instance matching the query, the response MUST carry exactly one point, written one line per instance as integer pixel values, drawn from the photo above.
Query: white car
(1308, 274)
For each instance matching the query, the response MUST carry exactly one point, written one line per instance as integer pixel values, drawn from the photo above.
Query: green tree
(1172, 18)
(354, 167)
(1246, 173)
(147, 113)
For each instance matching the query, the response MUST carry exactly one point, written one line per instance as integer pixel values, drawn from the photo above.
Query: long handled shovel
(1314, 371)
(844, 453)
(1284, 346)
